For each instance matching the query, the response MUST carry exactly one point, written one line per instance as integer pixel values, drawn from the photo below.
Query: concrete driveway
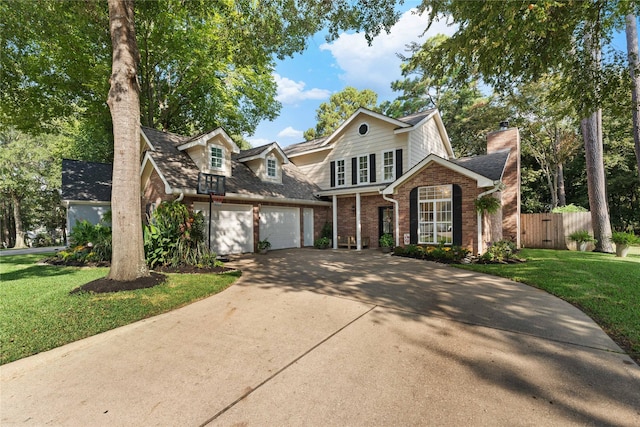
(309, 337)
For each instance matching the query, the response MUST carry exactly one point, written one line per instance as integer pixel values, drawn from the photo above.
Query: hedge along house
(400, 176)
(266, 196)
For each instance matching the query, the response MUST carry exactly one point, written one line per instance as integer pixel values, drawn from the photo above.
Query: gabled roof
(179, 173)
(403, 124)
(361, 110)
(307, 147)
(202, 139)
(261, 153)
(485, 170)
(489, 165)
(86, 181)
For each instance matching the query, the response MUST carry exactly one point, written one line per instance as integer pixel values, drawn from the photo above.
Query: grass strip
(603, 286)
(37, 313)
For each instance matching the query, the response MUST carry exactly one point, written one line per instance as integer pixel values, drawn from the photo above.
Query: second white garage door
(281, 226)
(231, 227)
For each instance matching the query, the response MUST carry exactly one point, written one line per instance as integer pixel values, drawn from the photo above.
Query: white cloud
(376, 66)
(290, 132)
(290, 92)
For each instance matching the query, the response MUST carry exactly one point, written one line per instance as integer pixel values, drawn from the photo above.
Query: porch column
(358, 224)
(334, 228)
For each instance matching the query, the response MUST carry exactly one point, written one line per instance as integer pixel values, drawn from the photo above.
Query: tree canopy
(341, 105)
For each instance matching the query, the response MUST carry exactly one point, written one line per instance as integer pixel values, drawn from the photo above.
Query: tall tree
(511, 42)
(127, 260)
(29, 177)
(634, 72)
(341, 106)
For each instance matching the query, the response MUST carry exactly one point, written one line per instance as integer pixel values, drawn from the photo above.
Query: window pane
(216, 157)
(363, 167)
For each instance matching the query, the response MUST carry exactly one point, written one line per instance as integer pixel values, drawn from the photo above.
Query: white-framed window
(272, 171)
(340, 173)
(435, 214)
(363, 129)
(388, 165)
(217, 157)
(363, 169)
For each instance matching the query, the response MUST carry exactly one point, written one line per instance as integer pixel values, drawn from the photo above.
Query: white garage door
(281, 226)
(231, 227)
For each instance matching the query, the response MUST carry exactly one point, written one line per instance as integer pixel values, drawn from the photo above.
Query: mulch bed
(104, 285)
(155, 278)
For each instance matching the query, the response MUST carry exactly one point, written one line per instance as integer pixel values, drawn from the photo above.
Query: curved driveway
(310, 337)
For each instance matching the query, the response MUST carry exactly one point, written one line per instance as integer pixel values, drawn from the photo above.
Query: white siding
(423, 141)
(350, 144)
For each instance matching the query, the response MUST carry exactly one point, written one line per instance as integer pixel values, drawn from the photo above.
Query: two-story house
(400, 176)
(373, 175)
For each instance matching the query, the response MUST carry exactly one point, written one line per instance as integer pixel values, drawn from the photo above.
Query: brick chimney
(509, 138)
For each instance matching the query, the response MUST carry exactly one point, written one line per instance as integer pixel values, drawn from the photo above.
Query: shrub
(327, 230)
(624, 238)
(568, 208)
(175, 237)
(89, 243)
(386, 241)
(322, 243)
(440, 253)
(500, 251)
(581, 236)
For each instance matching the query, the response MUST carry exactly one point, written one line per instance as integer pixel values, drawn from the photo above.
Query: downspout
(498, 186)
(180, 197)
(396, 211)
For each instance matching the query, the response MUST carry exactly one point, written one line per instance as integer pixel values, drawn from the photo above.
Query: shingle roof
(86, 181)
(301, 147)
(489, 165)
(182, 173)
(414, 119)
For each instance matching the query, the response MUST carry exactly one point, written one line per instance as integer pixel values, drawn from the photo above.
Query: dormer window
(271, 168)
(217, 157)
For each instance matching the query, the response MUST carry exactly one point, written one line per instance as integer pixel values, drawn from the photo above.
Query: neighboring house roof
(180, 173)
(86, 181)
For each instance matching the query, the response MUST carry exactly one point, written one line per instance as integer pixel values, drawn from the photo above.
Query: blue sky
(308, 79)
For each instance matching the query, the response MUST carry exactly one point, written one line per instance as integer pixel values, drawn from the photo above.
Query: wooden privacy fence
(550, 230)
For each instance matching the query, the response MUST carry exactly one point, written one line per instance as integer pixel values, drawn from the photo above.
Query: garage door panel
(231, 227)
(281, 226)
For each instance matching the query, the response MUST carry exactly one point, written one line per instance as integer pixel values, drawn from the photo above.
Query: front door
(385, 220)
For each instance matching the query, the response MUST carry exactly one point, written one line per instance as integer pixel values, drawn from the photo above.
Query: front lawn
(37, 313)
(606, 288)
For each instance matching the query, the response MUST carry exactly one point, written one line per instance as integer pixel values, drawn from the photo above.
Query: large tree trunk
(596, 183)
(634, 70)
(20, 243)
(562, 194)
(127, 261)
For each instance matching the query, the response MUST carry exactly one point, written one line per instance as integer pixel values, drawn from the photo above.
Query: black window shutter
(457, 215)
(333, 174)
(398, 163)
(372, 168)
(354, 170)
(413, 216)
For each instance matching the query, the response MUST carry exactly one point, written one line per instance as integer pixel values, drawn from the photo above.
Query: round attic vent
(363, 129)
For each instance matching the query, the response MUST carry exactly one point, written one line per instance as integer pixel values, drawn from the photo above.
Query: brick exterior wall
(509, 138)
(435, 174)
(369, 208)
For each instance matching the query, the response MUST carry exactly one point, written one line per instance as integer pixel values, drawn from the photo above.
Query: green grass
(37, 313)
(606, 288)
